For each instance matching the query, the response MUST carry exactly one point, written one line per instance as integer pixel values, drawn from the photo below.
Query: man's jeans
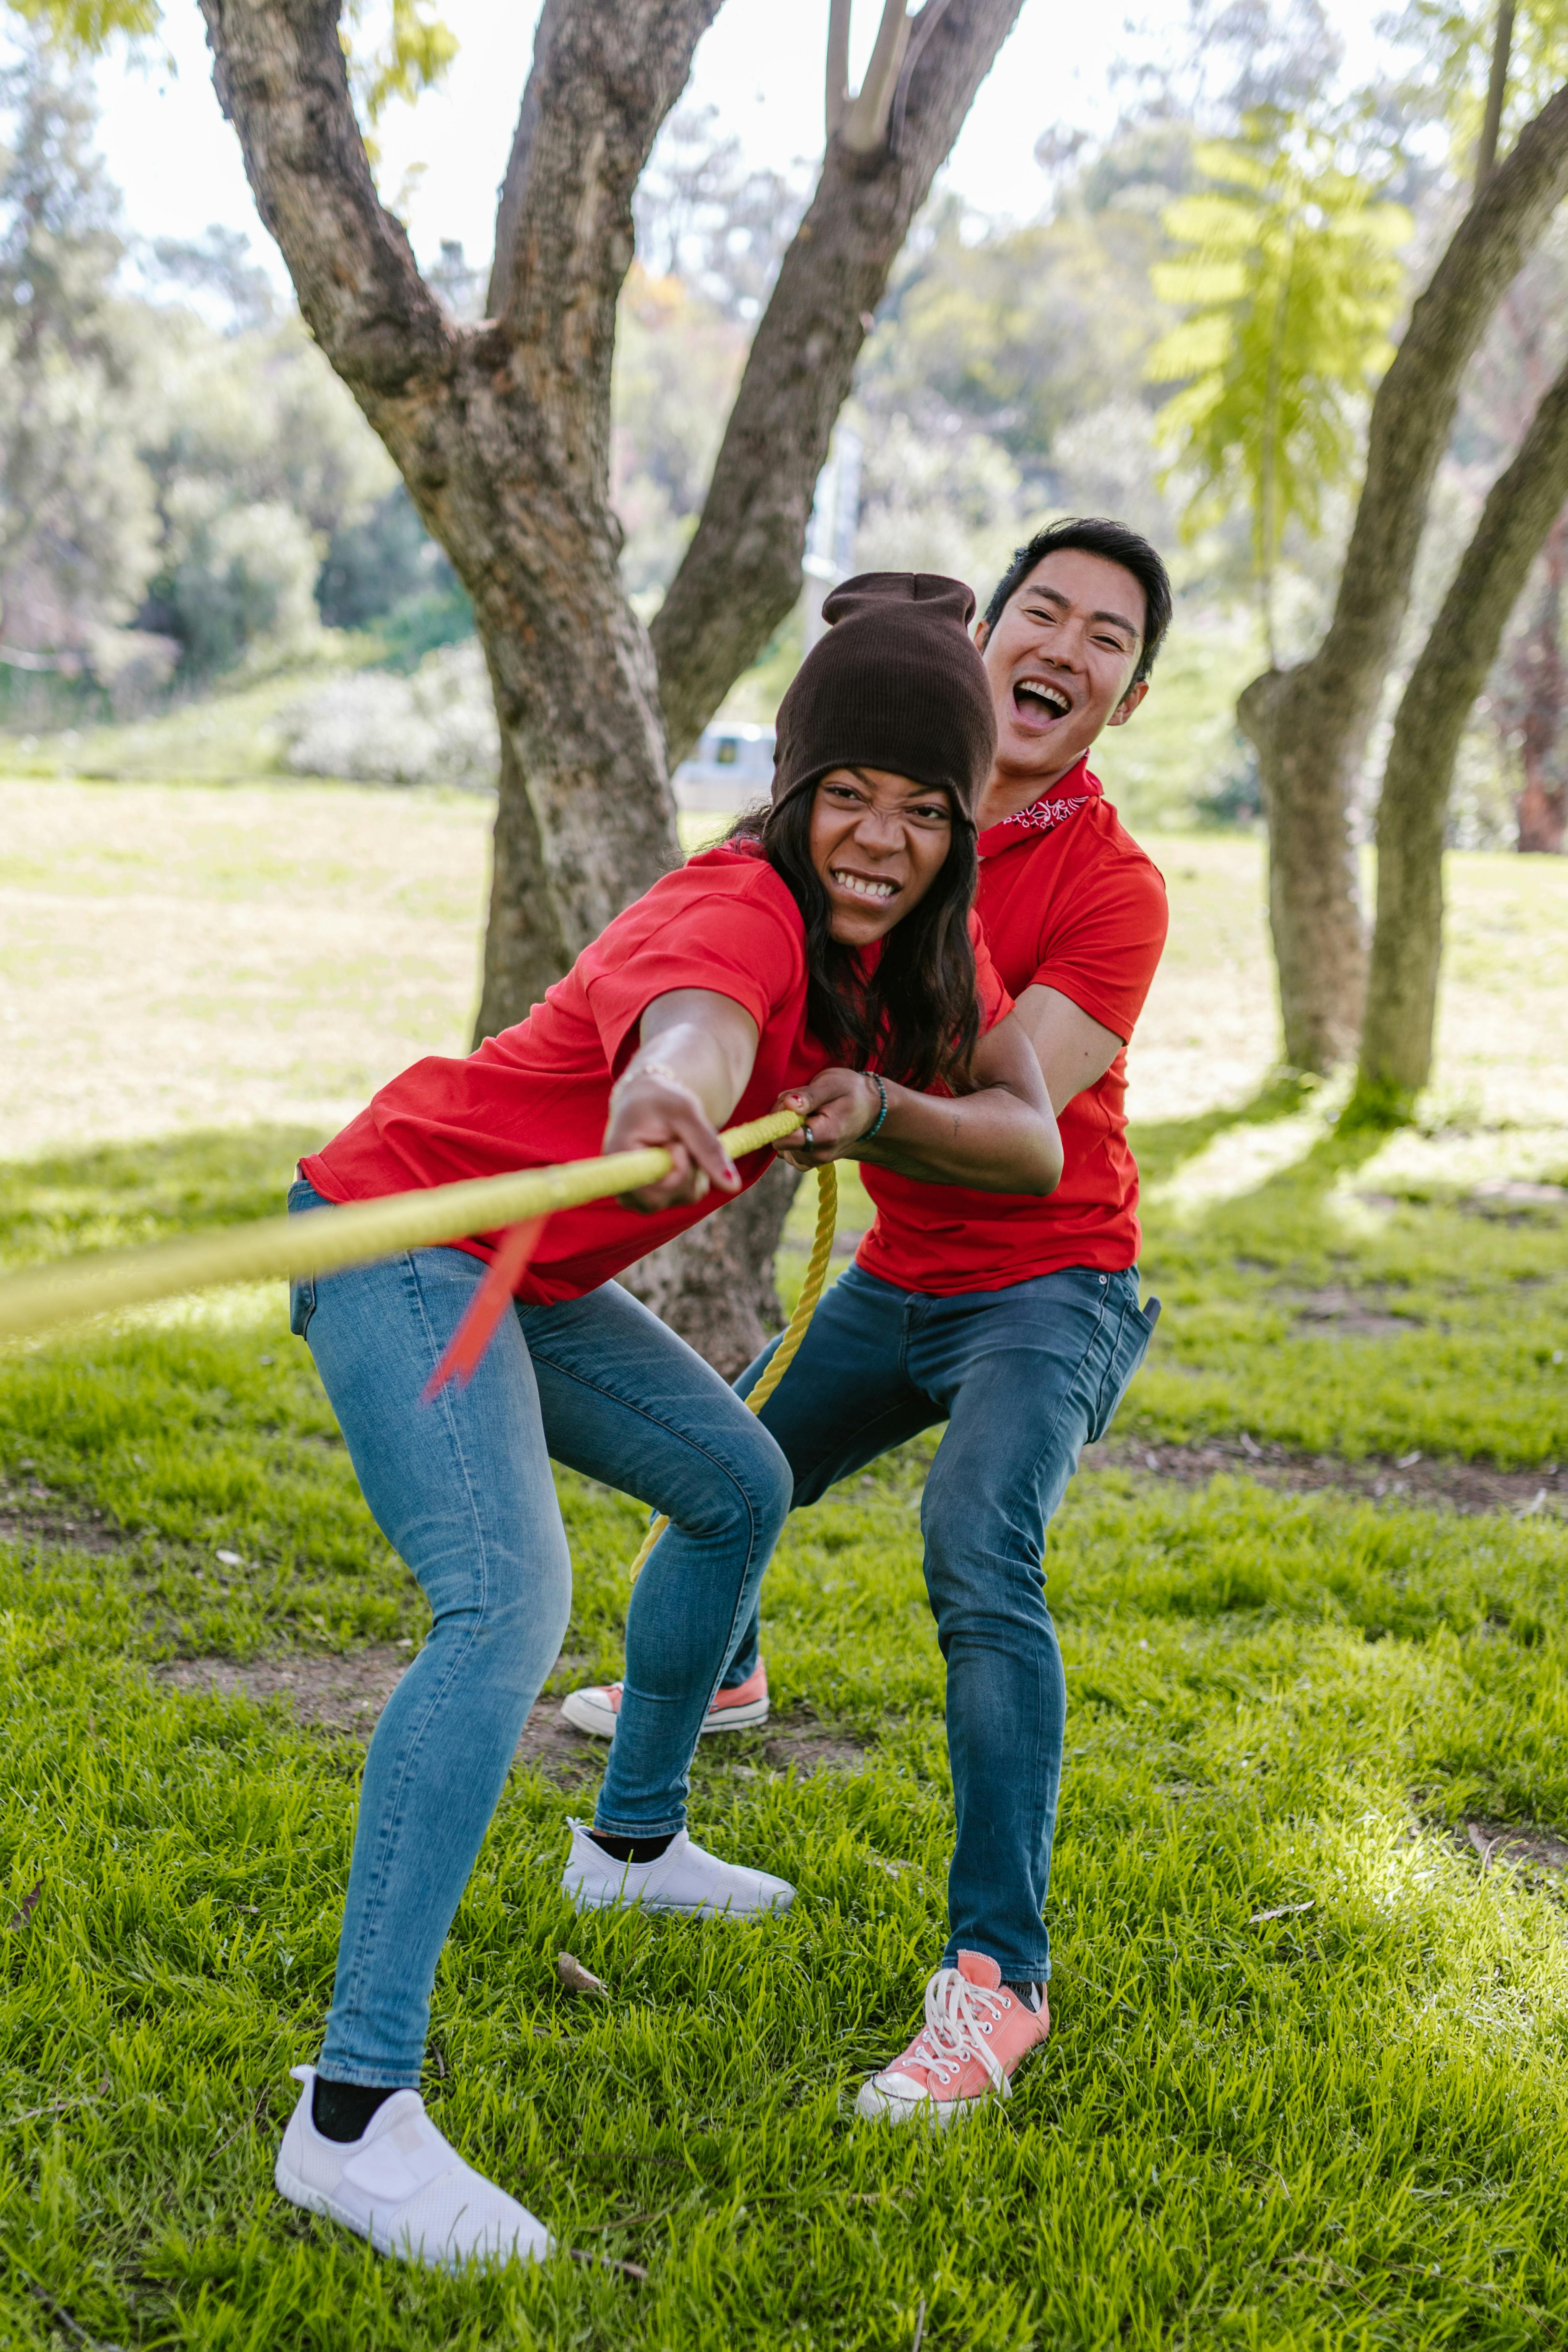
(462, 1488)
(1023, 1377)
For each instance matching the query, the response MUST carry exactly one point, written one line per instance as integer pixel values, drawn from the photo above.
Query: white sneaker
(403, 2187)
(595, 1708)
(684, 1879)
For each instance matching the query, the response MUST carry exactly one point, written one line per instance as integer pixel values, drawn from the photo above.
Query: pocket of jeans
(302, 1306)
(1133, 1332)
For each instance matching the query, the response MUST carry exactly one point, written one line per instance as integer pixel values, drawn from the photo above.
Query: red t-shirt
(540, 1093)
(1067, 900)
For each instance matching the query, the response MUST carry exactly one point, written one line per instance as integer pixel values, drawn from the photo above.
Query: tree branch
(865, 126)
(280, 78)
(1523, 504)
(1497, 90)
(743, 569)
(1413, 414)
(604, 75)
(838, 95)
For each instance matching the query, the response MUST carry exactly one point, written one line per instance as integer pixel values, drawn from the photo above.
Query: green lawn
(1339, 2126)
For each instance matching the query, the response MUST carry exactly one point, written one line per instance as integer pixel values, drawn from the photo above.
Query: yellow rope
(293, 1248)
(783, 1355)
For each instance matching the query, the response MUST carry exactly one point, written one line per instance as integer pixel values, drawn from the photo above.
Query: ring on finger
(806, 1130)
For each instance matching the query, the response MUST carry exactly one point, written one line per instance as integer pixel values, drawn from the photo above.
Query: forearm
(690, 1056)
(991, 1140)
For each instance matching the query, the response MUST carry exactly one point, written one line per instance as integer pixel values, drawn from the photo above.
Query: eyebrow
(1118, 620)
(913, 791)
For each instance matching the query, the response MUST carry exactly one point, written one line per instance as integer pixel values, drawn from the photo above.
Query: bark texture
(1540, 680)
(501, 432)
(1310, 723)
(715, 1285)
(1402, 995)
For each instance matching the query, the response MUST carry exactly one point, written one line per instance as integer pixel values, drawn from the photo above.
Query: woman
(755, 976)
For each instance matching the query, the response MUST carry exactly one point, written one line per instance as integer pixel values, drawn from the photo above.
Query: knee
(751, 1501)
(980, 1565)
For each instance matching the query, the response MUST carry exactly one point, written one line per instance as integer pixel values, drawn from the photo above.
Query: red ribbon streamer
(463, 1352)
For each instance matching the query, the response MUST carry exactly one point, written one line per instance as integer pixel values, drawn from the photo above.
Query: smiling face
(1060, 660)
(878, 843)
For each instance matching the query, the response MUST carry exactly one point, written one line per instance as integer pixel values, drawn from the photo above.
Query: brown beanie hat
(896, 683)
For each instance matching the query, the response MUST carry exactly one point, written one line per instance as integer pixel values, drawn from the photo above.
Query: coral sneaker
(405, 2187)
(741, 1709)
(967, 2051)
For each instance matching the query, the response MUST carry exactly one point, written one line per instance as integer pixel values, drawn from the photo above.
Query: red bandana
(1041, 815)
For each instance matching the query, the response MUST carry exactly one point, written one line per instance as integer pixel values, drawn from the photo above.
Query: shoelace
(958, 2016)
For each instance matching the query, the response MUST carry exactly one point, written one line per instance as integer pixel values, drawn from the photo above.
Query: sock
(633, 1849)
(342, 2110)
(1031, 1995)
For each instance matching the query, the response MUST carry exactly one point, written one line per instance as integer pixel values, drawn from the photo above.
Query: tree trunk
(501, 432)
(1542, 811)
(1524, 502)
(1309, 724)
(715, 1283)
(1540, 671)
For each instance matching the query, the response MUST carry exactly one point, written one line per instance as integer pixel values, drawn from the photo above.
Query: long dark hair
(917, 1017)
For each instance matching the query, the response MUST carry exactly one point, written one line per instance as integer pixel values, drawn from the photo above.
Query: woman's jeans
(1024, 1378)
(462, 1488)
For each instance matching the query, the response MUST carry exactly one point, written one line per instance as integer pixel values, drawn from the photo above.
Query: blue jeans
(462, 1488)
(1023, 1377)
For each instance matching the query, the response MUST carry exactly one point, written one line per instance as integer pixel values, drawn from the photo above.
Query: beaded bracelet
(882, 1114)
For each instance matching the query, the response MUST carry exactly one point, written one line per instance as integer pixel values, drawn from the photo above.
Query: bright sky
(761, 65)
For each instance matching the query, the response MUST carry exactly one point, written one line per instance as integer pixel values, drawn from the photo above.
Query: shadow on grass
(1162, 1146)
(119, 1193)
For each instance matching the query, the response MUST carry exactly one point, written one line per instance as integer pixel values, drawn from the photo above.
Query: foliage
(1275, 1702)
(1456, 44)
(678, 358)
(1291, 281)
(77, 527)
(437, 727)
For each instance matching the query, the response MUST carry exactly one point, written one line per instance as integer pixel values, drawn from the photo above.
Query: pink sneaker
(741, 1709)
(968, 2050)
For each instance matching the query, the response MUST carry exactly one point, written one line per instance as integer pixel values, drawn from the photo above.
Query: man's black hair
(1097, 536)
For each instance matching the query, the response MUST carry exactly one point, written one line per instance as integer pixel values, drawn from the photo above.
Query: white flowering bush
(436, 727)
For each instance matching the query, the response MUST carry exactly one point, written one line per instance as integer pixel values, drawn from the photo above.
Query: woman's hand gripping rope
(794, 1329)
(292, 1249)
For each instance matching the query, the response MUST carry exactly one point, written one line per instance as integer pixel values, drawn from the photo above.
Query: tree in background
(78, 528)
(1310, 722)
(1291, 282)
(1522, 512)
(503, 430)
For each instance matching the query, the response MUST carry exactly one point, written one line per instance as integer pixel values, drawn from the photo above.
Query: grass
(1339, 2126)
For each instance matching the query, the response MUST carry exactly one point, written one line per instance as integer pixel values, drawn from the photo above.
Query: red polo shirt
(1068, 901)
(540, 1093)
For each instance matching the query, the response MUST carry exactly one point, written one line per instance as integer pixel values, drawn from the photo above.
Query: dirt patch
(347, 1694)
(1409, 1478)
(1518, 1842)
(33, 1513)
(797, 1742)
(1344, 1314)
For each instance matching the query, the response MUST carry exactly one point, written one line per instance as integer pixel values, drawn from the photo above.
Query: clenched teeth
(880, 892)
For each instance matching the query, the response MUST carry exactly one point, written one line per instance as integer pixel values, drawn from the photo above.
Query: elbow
(1045, 1157)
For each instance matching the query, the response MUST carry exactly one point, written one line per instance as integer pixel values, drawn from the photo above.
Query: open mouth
(863, 886)
(1041, 703)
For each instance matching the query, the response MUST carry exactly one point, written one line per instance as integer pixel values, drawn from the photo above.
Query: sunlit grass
(1341, 2126)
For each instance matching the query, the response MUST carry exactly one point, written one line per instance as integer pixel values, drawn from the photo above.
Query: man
(1015, 1319)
